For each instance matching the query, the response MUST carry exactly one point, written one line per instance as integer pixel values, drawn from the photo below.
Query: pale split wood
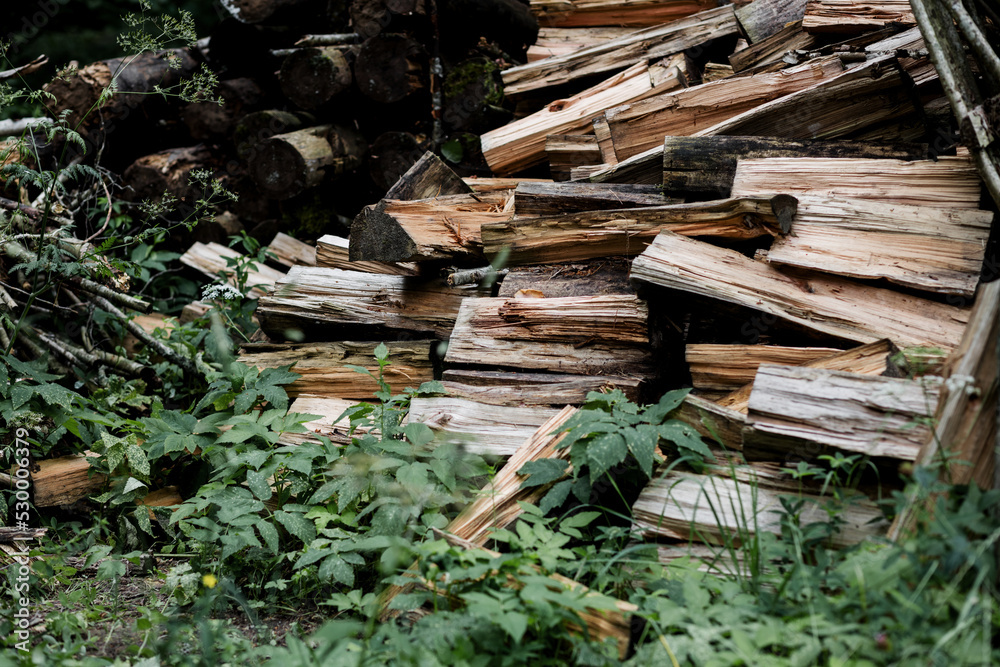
(563, 41)
(333, 252)
(932, 249)
(640, 126)
(590, 355)
(586, 235)
(210, 258)
(797, 414)
(871, 359)
(479, 428)
(64, 480)
(326, 423)
(716, 368)
(481, 185)
(616, 54)
(510, 388)
(771, 49)
(521, 143)
(721, 510)
(948, 182)
(716, 424)
(760, 20)
(633, 13)
(324, 371)
(621, 318)
(823, 303)
(852, 16)
(290, 251)
(565, 151)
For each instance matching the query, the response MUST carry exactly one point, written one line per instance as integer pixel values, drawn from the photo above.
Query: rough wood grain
(537, 199)
(334, 252)
(770, 49)
(796, 414)
(948, 182)
(851, 16)
(326, 423)
(65, 480)
(760, 20)
(932, 249)
(725, 368)
(475, 345)
(620, 318)
(718, 425)
(562, 41)
(553, 389)
(827, 304)
(579, 236)
(640, 46)
(324, 371)
(479, 428)
(634, 13)
(602, 276)
(210, 259)
(290, 251)
(314, 298)
(565, 151)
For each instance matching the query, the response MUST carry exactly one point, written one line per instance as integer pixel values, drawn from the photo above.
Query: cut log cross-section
(311, 77)
(334, 252)
(286, 164)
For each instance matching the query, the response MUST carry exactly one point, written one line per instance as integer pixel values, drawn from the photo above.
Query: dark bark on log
(287, 164)
(532, 199)
(391, 67)
(508, 23)
(255, 128)
(208, 120)
(606, 276)
(769, 50)
(390, 156)
(428, 177)
(312, 77)
(167, 171)
(760, 20)
(372, 17)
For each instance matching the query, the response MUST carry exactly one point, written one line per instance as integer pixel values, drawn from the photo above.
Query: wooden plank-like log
(796, 414)
(932, 249)
(642, 125)
(565, 151)
(64, 480)
(619, 318)
(720, 426)
(424, 229)
(725, 368)
(553, 42)
(708, 164)
(537, 199)
(553, 389)
(870, 94)
(314, 298)
(482, 185)
(770, 49)
(334, 252)
(479, 428)
(579, 236)
(326, 424)
(599, 277)
(633, 13)
(948, 182)
(428, 177)
(475, 345)
(324, 371)
(210, 259)
(825, 304)
(521, 144)
(853, 17)
(640, 46)
(290, 251)
(721, 510)
(760, 20)
(871, 359)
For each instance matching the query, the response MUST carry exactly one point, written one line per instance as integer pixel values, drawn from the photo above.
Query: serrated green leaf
(685, 437)
(642, 441)
(338, 569)
(137, 458)
(270, 535)
(542, 471)
(556, 496)
(669, 402)
(413, 475)
(297, 525)
(604, 452)
(419, 435)
(381, 352)
(258, 483)
(20, 394)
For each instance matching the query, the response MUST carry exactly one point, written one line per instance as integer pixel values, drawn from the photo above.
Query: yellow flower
(209, 580)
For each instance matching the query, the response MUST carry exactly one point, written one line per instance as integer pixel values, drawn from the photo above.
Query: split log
(479, 428)
(718, 425)
(428, 177)
(208, 120)
(481, 185)
(390, 67)
(312, 77)
(169, 171)
(312, 299)
(796, 414)
(538, 389)
(257, 127)
(720, 510)
(602, 132)
(641, 126)
(716, 72)
(562, 41)
(605, 276)
(473, 343)
(326, 424)
(708, 164)
(725, 368)
(537, 199)
(168, 496)
(849, 16)
(639, 14)
(640, 46)
(291, 251)
(932, 249)
(965, 428)
(644, 168)
(948, 182)
(820, 303)
(521, 144)
(424, 229)
(871, 94)
(580, 236)
(324, 371)
(65, 480)
(871, 359)
(760, 20)
(333, 252)
(211, 258)
(565, 151)
(771, 49)
(618, 318)
(287, 164)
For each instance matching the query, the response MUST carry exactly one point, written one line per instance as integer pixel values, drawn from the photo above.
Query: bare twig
(329, 40)
(140, 333)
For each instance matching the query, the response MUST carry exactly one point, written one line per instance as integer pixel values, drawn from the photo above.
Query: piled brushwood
(771, 203)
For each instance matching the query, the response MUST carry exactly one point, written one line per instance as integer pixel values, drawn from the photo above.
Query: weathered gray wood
(760, 20)
(708, 164)
(316, 299)
(718, 425)
(634, 13)
(616, 54)
(476, 346)
(770, 49)
(826, 304)
(604, 276)
(853, 16)
(717, 510)
(535, 199)
(574, 237)
(505, 388)
(565, 151)
(324, 371)
(798, 413)
(428, 177)
(480, 428)
(290, 251)
(932, 249)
